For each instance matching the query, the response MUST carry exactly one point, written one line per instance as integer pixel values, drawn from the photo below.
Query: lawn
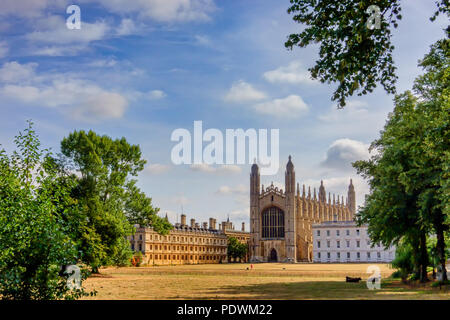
(265, 281)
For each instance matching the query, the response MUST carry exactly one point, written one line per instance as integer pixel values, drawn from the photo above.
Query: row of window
(182, 239)
(338, 243)
(338, 232)
(358, 255)
(183, 248)
(182, 257)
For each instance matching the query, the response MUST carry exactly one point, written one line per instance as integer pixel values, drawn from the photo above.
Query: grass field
(265, 281)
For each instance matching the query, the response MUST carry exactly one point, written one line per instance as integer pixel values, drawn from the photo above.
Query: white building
(344, 241)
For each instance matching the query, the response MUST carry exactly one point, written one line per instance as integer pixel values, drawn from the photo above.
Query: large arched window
(273, 223)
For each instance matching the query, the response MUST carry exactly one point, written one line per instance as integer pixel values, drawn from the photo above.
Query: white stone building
(344, 241)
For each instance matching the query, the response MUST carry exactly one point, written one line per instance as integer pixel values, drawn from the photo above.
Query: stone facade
(344, 241)
(281, 220)
(186, 244)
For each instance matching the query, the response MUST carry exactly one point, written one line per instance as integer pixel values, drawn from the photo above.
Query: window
(272, 223)
(318, 244)
(132, 246)
(348, 255)
(347, 232)
(328, 243)
(368, 242)
(348, 243)
(318, 233)
(328, 255)
(358, 255)
(338, 244)
(357, 232)
(318, 255)
(338, 255)
(140, 247)
(337, 233)
(378, 255)
(328, 233)
(358, 243)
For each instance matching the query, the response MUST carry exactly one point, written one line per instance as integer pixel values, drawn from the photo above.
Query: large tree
(409, 174)
(111, 201)
(35, 244)
(354, 51)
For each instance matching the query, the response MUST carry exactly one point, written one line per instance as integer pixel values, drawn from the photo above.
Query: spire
(334, 199)
(315, 198)
(322, 193)
(298, 189)
(309, 192)
(304, 192)
(329, 198)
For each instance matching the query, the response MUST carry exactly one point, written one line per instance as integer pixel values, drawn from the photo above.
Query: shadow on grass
(318, 290)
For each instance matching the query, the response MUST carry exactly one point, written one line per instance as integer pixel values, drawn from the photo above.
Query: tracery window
(273, 223)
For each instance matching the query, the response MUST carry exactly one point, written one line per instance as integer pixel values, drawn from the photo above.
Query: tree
(111, 201)
(34, 243)
(352, 53)
(235, 249)
(408, 176)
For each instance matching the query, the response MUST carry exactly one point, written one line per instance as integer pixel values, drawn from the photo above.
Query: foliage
(351, 53)
(110, 199)
(403, 261)
(236, 249)
(408, 174)
(34, 243)
(137, 259)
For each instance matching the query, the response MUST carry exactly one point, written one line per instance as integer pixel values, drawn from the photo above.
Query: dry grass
(265, 281)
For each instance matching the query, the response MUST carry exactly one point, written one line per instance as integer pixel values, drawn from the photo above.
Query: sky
(144, 68)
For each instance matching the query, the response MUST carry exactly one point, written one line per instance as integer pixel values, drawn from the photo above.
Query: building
(344, 241)
(281, 220)
(186, 244)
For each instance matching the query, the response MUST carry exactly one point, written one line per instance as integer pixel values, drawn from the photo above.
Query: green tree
(351, 53)
(110, 199)
(408, 175)
(34, 242)
(236, 250)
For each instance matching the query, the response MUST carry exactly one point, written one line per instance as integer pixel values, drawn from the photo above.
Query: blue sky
(141, 69)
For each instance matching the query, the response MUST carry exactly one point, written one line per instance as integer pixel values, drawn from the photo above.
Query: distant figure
(251, 266)
(350, 279)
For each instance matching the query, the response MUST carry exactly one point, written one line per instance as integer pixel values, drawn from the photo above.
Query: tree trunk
(440, 247)
(423, 259)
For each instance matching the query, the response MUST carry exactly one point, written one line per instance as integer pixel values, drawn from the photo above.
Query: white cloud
(354, 109)
(80, 98)
(242, 91)
(126, 28)
(343, 152)
(291, 106)
(216, 170)
(293, 73)
(203, 40)
(13, 72)
(4, 49)
(157, 168)
(28, 8)
(156, 94)
(162, 10)
(53, 30)
(240, 189)
(101, 63)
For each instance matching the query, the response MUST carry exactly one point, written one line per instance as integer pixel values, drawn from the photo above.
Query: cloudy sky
(143, 68)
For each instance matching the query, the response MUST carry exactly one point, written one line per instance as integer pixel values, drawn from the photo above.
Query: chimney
(183, 220)
(197, 225)
(192, 223)
(205, 225)
(212, 223)
(243, 226)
